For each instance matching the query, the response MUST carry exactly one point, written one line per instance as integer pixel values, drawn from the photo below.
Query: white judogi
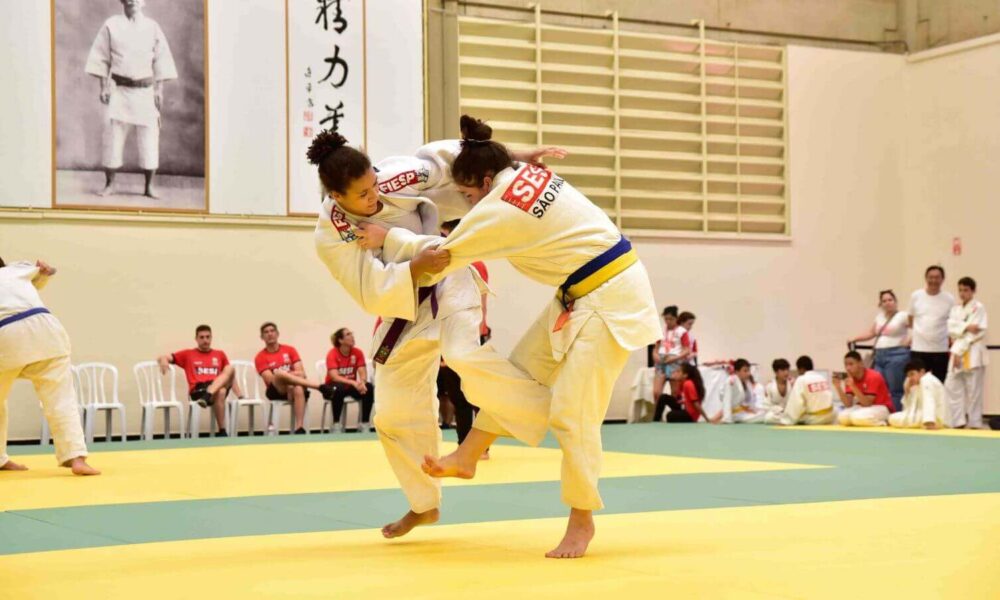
(406, 398)
(548, 230)
(964, 385)
(810, 401)
(37, 349)
(924, 403)
(739, 404)
(774, 403)
(135, 49)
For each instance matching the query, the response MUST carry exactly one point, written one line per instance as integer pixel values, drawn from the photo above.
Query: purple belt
(24, 315)
(398, 325)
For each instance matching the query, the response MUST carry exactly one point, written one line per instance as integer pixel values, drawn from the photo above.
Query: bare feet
(579, 531)
(107, 191)
(408, 522)
(486, 455)
(453, 465)
(80, 467)
(13, 466)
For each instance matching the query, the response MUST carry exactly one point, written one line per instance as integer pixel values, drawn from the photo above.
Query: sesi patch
(402, 180)
(533, 190)
(819, 386)
(339, 220)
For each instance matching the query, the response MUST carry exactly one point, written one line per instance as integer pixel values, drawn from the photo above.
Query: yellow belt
(825, 411)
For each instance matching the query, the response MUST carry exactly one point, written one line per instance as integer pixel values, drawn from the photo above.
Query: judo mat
(693, 511)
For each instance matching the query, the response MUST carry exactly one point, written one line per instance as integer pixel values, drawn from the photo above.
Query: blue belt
(598, 271)
(28, 313)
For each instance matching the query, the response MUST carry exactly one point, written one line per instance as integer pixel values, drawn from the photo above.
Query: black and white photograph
(130, 122)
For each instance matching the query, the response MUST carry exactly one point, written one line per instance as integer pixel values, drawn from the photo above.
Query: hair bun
(323, 145)
(474, 130)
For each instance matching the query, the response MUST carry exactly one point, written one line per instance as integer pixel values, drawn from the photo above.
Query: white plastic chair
(153, 397)
(274, 416)
(250, 384)
(94, 380)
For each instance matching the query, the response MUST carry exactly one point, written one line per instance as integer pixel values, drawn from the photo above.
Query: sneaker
(221, 433)
(300, 431)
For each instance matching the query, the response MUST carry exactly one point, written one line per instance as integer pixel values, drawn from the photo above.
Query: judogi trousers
(964, 391)
(864, 416)
(406, 404)
(147, 140)
(581, 382)
(53, 383)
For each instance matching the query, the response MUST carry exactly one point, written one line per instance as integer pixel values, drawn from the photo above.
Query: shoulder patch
(533, 190)
(339, 220)
(403, 180)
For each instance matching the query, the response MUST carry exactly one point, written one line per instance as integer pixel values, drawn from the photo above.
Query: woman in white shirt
(891, 331)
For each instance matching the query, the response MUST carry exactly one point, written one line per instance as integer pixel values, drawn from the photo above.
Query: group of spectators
(926, 369)
(211, 377)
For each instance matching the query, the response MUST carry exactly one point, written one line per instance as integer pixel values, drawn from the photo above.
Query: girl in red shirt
(692, 393)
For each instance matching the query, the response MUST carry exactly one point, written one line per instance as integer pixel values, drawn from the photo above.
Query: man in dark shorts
(208, 372)
(280, 366)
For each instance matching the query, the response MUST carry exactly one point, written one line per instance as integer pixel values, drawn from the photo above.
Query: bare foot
(408, 522)
(107, 191)
(579, 531)
(13, 466)
(452, 465)
(486, 455)
(80, 467)
(152, 193)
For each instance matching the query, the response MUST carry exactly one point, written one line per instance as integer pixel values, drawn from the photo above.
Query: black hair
(692, 373)
(884, 292)
(803, 364)
(201, 328)
(480, 156)
(853, 354)
(968, 282)
(915, 364)
(938, 268)
(450, 225)
(2, 263)
(266, 325)
(670, 310)
(686, 316)
(338, 335)
(780, 364)
(338, 163)
(739, 363)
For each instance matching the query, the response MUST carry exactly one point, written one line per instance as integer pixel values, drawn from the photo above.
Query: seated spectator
(924, 404)
(692, 393)
(208, 372)
(865, 395)
(776, 393)
(967, 329)
(891, 332)
(281, 369)
(669, 353)
(348, 372)
(811, 400)
(739, 403)
(686, 320)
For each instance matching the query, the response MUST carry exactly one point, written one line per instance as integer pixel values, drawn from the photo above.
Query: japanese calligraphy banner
(326, 87)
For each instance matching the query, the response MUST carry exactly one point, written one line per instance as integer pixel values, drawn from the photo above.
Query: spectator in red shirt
(692, 393)
(208, 372)
(866, 398)
(281, 369)
(347, 372)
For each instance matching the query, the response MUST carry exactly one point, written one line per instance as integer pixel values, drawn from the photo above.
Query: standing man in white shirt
(929, 310)
(964, 386)
(34, 346)
(131, 58)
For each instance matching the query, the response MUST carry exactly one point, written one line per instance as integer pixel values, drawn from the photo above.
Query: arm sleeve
(99, 59)
(163, 61)
(225, 360)
(258, 363)
(294, 355)
(39, 280)
(428, 169)
(384, 290)
(180, 358)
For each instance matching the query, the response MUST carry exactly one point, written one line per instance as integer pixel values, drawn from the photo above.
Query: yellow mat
(972, 433)
(913, 548)
(258, 470)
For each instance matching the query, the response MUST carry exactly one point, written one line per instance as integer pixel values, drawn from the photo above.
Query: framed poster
(129, 105)
(327, 87)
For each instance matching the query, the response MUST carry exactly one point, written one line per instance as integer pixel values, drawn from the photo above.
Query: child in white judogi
(34, 346)
(777, 392)
(924, 403)
(739, 402)
(967, 325)
(810, 402)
